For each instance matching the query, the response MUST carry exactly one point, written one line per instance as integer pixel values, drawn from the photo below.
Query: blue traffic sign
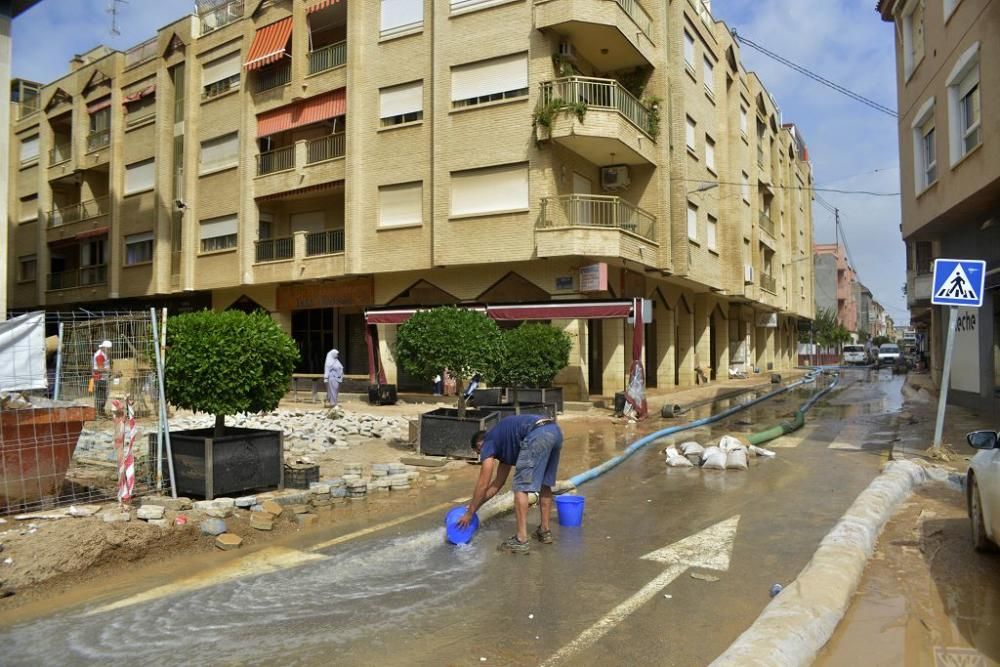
(958, 282)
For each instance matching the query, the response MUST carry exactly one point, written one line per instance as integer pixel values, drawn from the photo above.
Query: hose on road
(797, 422)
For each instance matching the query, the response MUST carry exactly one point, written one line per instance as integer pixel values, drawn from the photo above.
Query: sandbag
(760, 451)
(729, 443)
(713, 459)
(691, 448)
(737, 460)
(679, 461)
(671, 451)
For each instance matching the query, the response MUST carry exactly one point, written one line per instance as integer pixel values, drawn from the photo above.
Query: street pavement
(669, 567)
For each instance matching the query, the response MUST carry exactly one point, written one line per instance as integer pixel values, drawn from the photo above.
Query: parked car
(888, 354)
(854, 354)
(983, 489)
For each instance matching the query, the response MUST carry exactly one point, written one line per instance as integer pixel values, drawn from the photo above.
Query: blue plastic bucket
(458, 535)
(570, 510)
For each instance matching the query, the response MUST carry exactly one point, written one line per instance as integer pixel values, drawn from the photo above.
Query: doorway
(712, 348)
(595, 368)
(651, 347)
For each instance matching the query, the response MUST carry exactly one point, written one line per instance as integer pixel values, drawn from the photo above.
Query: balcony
(595, 225)
(302, 256)
(597, 119)
(325, 243)
(299, 165)
(279, 159)
(326, 148)
(768, 283)
(766, 224)
(60, 152)
(272, 76)
(98, 140)
(328, 57)
(220, 16)
(273, 250)
(611, 35)
(86, 276)
(141, 53)
(86, 210)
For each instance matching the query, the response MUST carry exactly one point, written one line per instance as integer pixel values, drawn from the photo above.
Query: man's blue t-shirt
(503, 441)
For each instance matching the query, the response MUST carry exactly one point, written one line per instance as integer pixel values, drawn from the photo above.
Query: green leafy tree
(533, 354)
(224, 363)
(463, 341)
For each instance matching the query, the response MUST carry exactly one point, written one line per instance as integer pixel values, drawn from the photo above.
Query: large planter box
(243, 460)
(442, 433)
(507, 409)
(491, 396)
(552, 395)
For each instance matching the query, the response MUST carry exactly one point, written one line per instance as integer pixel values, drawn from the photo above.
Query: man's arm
(479, 495)
(503, 469)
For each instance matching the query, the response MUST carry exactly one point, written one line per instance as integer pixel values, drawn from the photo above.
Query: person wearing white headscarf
(333, 372)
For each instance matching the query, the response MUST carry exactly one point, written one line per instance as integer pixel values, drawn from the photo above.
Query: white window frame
(710, 153)
(218, 164)
(516, 88)
(222, 234)
(143, 239)
(214, 83)
(963, 78)
(464, 6)
(919, 129)
(400, 193)
(708, 74)
(518, 189)
(396, 23)
(692, 221)
(132, 171)
(712, 232)
(690, 52)
(691, 134)
(402, 103)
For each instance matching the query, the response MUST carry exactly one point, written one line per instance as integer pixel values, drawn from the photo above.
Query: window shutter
(401, 15)
(487, 190)
(221, 68)
(220, 151)
(401, 204)
(489, 76)
(29, 148)
(400, 100)
(311, 222)
(216, 227)
(138, 238)
(140, 176)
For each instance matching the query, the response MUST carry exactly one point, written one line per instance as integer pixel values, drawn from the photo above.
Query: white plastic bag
(679, 461)
(713, 459)
(729, 443)
(691, 447)
(737, 460)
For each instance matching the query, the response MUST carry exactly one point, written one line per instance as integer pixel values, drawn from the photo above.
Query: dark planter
(507, 409)
(382, 394)
(491, 396)
(242, 460)
(442, 433)
(537, 395)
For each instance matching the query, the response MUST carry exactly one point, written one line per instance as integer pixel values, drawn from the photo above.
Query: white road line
(387, 524)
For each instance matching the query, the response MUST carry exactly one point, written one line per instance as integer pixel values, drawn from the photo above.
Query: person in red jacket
(102, 372)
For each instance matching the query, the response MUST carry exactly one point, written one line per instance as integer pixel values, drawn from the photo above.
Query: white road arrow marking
(710, 550)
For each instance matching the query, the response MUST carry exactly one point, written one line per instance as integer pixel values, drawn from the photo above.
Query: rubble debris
(150, 512)
(228, 541)
(213, 526)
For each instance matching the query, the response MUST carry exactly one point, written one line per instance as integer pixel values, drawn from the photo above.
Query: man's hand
(466, 519)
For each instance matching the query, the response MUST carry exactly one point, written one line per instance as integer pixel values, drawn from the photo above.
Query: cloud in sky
(843, 40)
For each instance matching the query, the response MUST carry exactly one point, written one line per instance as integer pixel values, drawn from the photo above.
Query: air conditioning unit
(748, 274)
(615, 177)
(566, 51)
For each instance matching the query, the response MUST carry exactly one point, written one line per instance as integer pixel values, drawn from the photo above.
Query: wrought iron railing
(82, 277)
(604, 94)
(220, 16)
(272, 77)
(325, 148)
(768, 283)
(280, 159)
(217, 88)
(60, 153)
(325, 243)
(766, 223)
(85, 210)
(328, 57)
(99, 139)
(270, 250)
(596, 211)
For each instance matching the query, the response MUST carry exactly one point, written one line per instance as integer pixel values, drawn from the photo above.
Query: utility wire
(867, 193)
(816, 77)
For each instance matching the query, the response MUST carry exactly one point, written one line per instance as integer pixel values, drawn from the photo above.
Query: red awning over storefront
(313, 110)
(322, 4)
(269, 44)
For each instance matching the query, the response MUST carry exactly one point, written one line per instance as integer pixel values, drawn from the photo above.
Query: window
(142, 109)
(218, 233)
(690, 132)
(913, 36)
(29, 148)
(709, 153)
(459, 5)
(28, 208)
(964, 108)
(489, 80)
(712, 230)
(100, 120)
(140, 176)
(401, 204)
(220, 75)
(138, 248)
(949, 8)
(490, 190)
(401, 104)
(27, 268)
(401, 16)
(689, 51)
(744, 126)
(92, 253)
(692, 222)
(924, 148)
(745, 186)
(708, 73)
(220, 152)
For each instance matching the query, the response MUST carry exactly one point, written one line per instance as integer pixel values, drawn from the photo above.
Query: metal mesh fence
(65, 436)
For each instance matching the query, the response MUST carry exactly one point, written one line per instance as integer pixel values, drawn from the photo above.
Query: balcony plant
(533, 354)
(225, 363)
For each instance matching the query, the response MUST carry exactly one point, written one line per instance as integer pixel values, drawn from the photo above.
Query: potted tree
(464, 342)
(533, 354)
(225, 363)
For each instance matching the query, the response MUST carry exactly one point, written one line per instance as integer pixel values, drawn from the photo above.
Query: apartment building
(836, 284)
(330, 161)
(948, 80)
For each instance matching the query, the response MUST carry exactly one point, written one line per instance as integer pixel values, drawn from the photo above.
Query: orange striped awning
(322, 4)
(313, 110)
(269, 44)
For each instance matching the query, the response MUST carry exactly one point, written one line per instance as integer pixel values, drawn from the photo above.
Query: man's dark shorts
(538, 461)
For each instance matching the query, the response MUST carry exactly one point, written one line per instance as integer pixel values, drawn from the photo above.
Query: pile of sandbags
(729, 454)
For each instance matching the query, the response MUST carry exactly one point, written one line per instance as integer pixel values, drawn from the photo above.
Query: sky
(851, 146)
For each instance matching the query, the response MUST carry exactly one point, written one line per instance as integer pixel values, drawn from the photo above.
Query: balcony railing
(768, 283)
(328, 57)
(596, 211)
(64, 215)
(272, 77)
(325, 148)
(325, 243)
(605, 94)
(218, 17)
(280, 159)
(60, 153)
(271, 250)
(637, 14)
(98, 140)
(141, 53)
(766, 223)
(82, 277)
(27, 107)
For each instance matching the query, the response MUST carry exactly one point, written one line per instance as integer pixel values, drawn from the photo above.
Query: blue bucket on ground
(458, 535)
(570, 510)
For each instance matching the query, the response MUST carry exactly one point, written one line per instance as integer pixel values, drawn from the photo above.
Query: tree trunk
(461, 399)
(516, 401)
(220, 426)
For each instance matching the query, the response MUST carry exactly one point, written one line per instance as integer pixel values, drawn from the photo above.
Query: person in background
(333, 372)
(101, 374)
(438, 385)
(471, 389)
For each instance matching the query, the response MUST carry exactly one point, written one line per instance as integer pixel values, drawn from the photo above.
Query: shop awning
(269, 44)
(313, 110)
(322, 4)
(568, 310)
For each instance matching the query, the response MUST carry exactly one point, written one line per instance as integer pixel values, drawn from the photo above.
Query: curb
(802, 618)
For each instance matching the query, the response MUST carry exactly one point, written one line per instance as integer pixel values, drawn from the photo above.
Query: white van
(854, 355)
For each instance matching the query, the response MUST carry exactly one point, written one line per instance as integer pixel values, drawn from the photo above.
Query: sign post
(957, 282)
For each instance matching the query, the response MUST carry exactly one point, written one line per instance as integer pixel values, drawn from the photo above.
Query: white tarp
(22, 353)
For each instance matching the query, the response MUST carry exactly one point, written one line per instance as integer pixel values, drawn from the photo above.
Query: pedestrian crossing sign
(958, 282)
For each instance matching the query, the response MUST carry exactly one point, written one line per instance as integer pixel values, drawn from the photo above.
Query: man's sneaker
(514, 546)
(543, 536)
